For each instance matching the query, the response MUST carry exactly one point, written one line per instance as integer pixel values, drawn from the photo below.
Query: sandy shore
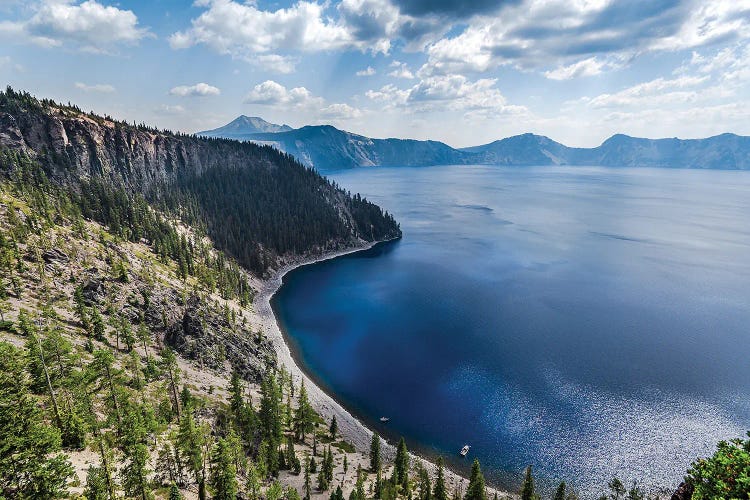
(350, 427)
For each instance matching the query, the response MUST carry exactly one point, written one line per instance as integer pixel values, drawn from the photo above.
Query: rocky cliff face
(136, 157)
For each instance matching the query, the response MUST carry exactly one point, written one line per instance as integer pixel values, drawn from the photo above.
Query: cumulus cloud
(560, 33)
(451, 92)
(89, 25)
(401, 70)
(101, 88)
(197, 90)
(243, 31)
(369, 71)
(271, 93)
(166, 109)
(587, 67)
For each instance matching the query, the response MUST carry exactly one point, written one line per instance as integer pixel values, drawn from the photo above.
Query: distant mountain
(243, 126)
(328, 148)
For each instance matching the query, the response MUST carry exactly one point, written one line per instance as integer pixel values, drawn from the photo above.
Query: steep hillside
(271, 207)
(242, 126)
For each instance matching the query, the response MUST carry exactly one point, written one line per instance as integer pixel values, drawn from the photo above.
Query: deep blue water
(591, 322)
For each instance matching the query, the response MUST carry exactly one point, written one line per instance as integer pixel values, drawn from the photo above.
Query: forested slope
(256, 203)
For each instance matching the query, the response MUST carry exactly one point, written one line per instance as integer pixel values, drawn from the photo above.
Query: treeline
(256, 203)
(259, 213)
(127, 216)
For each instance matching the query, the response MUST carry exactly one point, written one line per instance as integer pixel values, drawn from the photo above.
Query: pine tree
(135, 473)
(174, 492)
(97, 324)
(440, 492)
(560, 492)
(223, 472)
(307, 491)
(476, 489)
(425, 488)
(304, 415)
(401, 465)
(334, 428)
(375, 460)
(96, 485)
(190, 442)
(169, 364)
(527, 488)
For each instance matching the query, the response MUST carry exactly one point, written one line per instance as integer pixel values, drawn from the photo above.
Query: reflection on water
(591, 322)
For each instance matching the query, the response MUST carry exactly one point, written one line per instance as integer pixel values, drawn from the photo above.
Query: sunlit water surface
(591, 322)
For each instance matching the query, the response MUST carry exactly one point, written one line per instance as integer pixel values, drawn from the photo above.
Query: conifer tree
(527, 488)
(135, 473)
(440, 492)
(306, 490)
(169, 364)
(334, 428)
(96, 485)
(223, 472)
(375, 460)
(174, 492)
(476, 489)
(425, 488)
(560, 492)
(401, 465)
(304, 415)
(29, 464)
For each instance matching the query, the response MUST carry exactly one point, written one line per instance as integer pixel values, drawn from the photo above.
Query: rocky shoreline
(352, 429)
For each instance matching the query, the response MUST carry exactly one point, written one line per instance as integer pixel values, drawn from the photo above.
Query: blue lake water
(592, 322)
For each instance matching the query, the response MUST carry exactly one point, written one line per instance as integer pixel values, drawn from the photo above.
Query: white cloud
(166, 109)
(197, 90)
(543, 33)
(658, 92)
(401, 70)
(273, 94)
(369, 71)
(242, 30)
(101, 88)
(587, 67)
(89, 25)
(447, 92)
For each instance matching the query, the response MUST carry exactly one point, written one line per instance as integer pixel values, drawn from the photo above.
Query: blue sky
(461, 71)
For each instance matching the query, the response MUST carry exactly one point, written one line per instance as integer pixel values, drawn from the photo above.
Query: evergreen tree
(560, 492)
(375, 460)
(425, 488)
(306, 490)
(440, 492)
(527, 488)
(135, 473)
(190, 442)
(334, 428)
(96, 485)
(169, 364)
(97, 324)
(476, 489)
(304, 415)
(174, 492)
(223, 472)
(401, 465)
(29, 465)
(616, 488)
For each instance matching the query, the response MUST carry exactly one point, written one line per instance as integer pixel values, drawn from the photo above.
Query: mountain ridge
(327, 148)
(244, 125)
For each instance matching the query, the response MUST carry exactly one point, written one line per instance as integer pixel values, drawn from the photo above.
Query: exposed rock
(683, 492)
(55, 256)
(94, 291)
(206, 336)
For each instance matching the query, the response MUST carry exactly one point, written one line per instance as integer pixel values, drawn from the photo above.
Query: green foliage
(30, 466)
(223, 472)
(560, 492)
(96, 484)
(401, 465)
(476, 489)
(527, 488)
(304, 416)
(726, 474)
(440, 492)
(375, 460)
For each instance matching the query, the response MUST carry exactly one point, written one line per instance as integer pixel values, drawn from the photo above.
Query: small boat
(384, 419)
(465, 450)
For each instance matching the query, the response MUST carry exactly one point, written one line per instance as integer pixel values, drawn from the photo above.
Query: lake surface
(592, 322)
